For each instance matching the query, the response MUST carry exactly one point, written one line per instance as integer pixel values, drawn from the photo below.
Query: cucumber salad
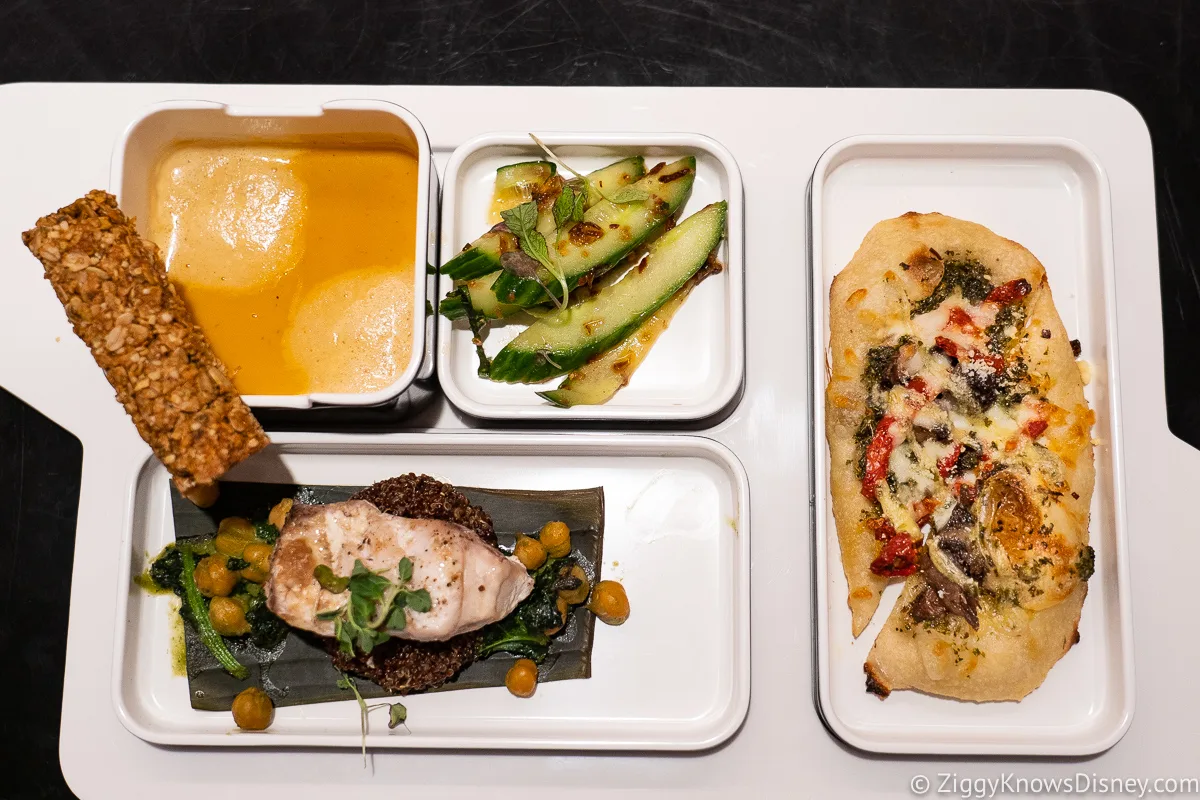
(596, 264)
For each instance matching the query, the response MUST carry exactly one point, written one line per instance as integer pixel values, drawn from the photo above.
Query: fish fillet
(470, 582)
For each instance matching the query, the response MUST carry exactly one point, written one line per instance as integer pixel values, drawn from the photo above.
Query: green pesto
(969, 277)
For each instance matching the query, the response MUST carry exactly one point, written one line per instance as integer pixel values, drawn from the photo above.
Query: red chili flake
(963, 320)
(878, 453)
(1010, 292)
(923, 509)
(1036, 427)
(897, 558)
(946, 464)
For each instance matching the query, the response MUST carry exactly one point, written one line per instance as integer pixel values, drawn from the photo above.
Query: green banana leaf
(298, 671)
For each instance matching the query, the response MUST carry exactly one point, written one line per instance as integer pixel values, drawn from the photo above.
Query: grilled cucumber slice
(565, 340)
(483, 299)
(608, 231)
(599, 379)
(515, 184)
(482, 257)
(521, 179)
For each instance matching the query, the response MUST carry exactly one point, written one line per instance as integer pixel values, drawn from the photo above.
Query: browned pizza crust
(901, 262)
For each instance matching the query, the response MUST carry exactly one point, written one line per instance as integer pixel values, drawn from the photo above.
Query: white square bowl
(695, 369)
(147, 137)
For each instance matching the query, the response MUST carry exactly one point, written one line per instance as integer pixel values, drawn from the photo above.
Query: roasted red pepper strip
(918, 385)
(882, 528)
(946, 464)
(995, 362)
(1010, 292)
(963, 320)
(878, 453)
(954, 351)
(923, 509)
(1035, 428)
(946, 346)
(897, 558)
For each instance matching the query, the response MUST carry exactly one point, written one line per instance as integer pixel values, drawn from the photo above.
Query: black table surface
(1146, 51)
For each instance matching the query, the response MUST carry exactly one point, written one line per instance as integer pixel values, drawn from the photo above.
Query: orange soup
(296, 259)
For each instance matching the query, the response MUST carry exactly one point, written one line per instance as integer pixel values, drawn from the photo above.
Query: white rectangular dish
(144, 141)
(696, 368)
(1052, 196)
(676, 535)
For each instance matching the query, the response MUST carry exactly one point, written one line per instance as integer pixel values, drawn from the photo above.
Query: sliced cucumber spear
(565, 340)
(599, 379)
(608, 231)
(515, 184)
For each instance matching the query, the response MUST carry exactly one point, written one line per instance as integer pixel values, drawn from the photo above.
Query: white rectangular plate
(1050, 195)
(676, 676)
(695, 369)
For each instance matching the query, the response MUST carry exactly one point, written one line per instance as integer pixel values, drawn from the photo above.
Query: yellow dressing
(296, 258)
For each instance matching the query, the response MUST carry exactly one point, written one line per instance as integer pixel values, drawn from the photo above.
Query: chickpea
(258, 555)
(279, 513)
(530, 552)
(609, 603)
(556, 538)
(579, 594)
(228, 617)
(521, 678)
(253, 709)
(563, 610)
(233, 534)
(213, 577)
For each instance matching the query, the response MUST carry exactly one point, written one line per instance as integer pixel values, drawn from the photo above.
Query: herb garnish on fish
(375, 605)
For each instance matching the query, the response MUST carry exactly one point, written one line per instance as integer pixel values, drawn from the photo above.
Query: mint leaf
(534, 246)
(628, 194)
(522, 223)
(579, 206)
(521, 220)
(564, 207)
(405, 569)
(419, 600)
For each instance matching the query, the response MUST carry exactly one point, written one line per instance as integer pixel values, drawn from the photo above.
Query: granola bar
(114, 288)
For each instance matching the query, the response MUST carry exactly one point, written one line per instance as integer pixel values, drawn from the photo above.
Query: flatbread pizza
(960, 459)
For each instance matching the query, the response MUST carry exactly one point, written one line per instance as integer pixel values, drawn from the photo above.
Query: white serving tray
(1052, 196)
(777, 135)
(695, 368)
(676, 676)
